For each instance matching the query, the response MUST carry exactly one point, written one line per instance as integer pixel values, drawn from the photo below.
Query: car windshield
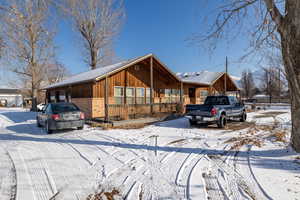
(216, 101)
(66, 107)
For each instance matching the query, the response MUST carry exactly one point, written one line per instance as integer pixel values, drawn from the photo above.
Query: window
(64, 107)
(140, 95)
(118, 94)
(130, 95)
(167, 92)
(148, 95)
(203, 93)
(175, 93)
(119, 91)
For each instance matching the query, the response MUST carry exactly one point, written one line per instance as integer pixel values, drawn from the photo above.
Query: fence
(134, 111)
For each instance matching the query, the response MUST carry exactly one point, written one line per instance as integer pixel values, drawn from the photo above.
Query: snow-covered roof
(93, 74)
(202, 77)
(88, 75)
(98, 73)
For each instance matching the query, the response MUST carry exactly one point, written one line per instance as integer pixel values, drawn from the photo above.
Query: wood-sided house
(128, 89)
(198, 85)
(135, 88)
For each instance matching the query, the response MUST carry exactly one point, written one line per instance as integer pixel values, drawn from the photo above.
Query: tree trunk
(290, 42)
(34, 100)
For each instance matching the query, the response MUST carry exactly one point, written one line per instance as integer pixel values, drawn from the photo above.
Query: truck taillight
(81, 115)
(55, 116)
(213, 111)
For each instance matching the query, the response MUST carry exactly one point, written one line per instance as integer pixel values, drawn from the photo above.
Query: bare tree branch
(98, 22)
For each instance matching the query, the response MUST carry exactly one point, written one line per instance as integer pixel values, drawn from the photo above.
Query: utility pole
(225, 78)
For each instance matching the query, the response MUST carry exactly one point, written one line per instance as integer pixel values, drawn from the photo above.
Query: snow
(89, 75)
(187, 163)
(202, 77)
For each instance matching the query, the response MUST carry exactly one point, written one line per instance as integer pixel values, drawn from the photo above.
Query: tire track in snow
(38, 174)
(8, 178)
(253, 174)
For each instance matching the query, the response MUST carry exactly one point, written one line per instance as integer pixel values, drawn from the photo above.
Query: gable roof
(202, 77)
(99, 73)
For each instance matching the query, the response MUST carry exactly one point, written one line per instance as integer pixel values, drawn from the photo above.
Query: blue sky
(161, 27)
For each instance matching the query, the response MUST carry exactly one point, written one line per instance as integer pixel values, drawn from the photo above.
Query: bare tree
(29, 46)
(247, 84)
(273, 24)
(98, 22)
(55, 72)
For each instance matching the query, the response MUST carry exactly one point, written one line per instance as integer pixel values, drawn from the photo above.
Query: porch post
(106, 99)
(125, 86)
(181, 92)
(151, 84)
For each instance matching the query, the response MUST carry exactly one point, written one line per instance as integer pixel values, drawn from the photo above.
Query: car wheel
(47, 128)
(243, 117)
(192, 123)
(80, 128)
(38, 123)
(222, 121)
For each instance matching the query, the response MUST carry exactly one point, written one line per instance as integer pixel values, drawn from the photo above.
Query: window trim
(169, 94)
(115, 87)
(143, 92)
(133, 91)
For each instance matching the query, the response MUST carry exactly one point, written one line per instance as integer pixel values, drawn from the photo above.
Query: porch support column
(181, 93)
(106, 118)
(125, 86)
(151, 84)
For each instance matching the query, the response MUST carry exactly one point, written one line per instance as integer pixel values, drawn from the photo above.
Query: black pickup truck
(216, 109)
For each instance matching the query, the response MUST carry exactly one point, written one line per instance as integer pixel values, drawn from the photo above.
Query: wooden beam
(125, 86)
(106, 99)
(151, 84)
(181, 92)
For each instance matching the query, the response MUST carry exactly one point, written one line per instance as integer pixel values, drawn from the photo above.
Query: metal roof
(101, 72)
(202, 77)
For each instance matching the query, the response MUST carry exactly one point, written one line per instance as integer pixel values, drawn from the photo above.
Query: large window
(148, 95)
(168, 92)
(140, 95)
(175, 93)
(118, 94)
(130, 95)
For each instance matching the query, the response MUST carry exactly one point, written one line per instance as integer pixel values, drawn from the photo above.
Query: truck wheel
(243, 117)
(192, 123)
(222, 121)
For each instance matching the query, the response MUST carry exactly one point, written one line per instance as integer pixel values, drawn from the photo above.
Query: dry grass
(131, 126)
(280, 135)
(104, 195)
(246, 141)
(236, 126)
(268, 114)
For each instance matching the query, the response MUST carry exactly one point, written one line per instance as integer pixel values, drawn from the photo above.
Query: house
(10, 97)
(198, 85)
(133, 89)
(121, 90)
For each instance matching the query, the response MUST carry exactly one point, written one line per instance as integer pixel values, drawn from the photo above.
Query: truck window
(221, 100)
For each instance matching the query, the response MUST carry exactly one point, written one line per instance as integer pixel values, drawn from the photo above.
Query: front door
(192, 95)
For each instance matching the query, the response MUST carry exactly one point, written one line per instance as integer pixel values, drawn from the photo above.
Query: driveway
(167, 160)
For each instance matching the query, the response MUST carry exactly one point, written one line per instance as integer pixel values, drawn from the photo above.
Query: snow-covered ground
(187, 162)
